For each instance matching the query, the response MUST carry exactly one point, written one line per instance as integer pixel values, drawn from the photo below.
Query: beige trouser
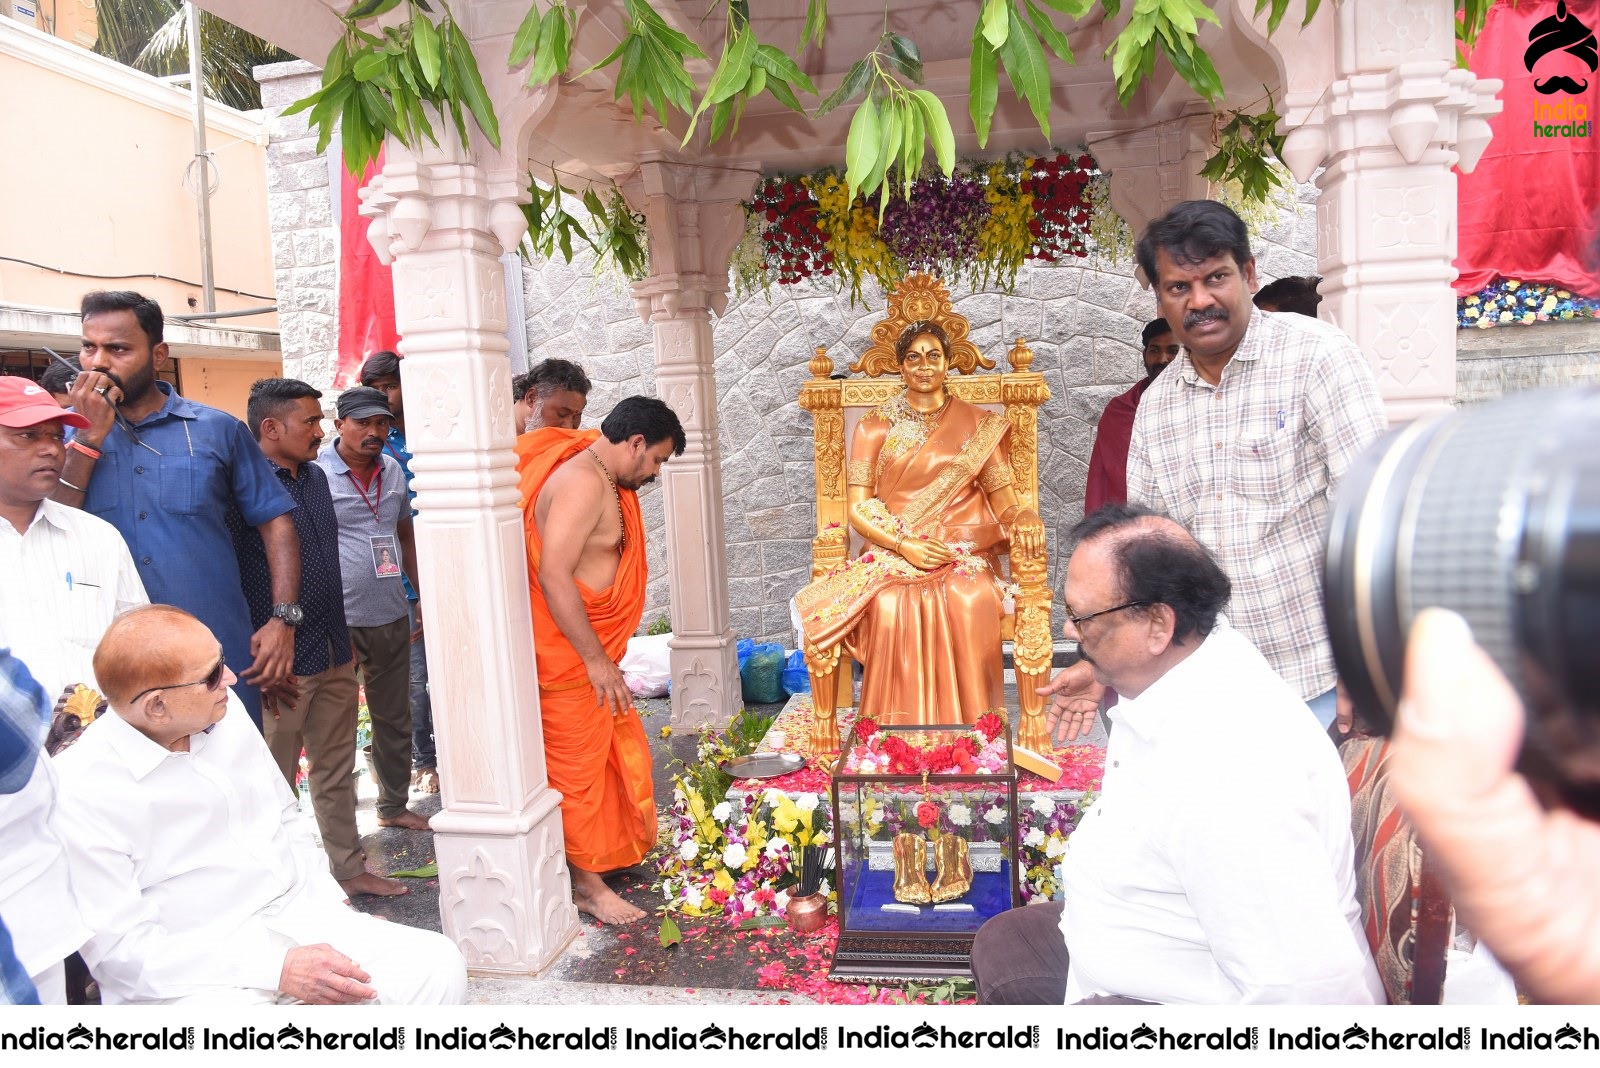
(383, 657)
(323, 722)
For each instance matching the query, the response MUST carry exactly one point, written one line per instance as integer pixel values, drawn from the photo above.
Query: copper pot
(807, 914)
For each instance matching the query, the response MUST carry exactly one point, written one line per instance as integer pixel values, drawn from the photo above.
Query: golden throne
(836, 405)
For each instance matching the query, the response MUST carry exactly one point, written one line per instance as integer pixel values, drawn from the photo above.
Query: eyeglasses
(212, 682)
(1078, 621)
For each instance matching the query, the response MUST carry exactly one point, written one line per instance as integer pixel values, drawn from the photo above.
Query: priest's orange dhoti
(600, 763)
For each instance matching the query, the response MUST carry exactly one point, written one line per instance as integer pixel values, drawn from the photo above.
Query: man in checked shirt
(1243, 441)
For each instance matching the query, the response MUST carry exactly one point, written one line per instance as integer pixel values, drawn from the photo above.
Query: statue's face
(924, 365)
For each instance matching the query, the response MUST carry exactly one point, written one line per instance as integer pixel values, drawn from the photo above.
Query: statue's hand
(926, 554)
(1027, 533)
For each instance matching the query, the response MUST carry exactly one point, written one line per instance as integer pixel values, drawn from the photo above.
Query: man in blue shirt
(319, 712)
(381, 372)
(164, 470)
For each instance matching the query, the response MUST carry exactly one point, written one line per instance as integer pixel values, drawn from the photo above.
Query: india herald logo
(1561, 32)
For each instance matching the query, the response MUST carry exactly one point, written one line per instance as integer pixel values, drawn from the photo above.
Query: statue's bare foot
(406, 819)
(592, 895)
(374, 884)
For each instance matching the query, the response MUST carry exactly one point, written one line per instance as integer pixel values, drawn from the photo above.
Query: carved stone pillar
(1397, 118)
(504, 890)
(694, 220)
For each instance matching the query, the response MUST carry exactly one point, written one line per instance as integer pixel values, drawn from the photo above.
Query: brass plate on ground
(764, 765)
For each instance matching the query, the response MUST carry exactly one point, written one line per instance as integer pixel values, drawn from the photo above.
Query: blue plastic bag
(742, 649)
(795, 677)
(761, 674)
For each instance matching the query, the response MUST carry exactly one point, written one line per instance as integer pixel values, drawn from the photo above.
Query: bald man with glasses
(191, 862)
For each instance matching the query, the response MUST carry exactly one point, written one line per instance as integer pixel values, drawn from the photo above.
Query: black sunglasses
(212, 682)
(1079, 621)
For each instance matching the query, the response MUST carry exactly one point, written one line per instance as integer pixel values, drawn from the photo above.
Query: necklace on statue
(622, 525)
(925, 420)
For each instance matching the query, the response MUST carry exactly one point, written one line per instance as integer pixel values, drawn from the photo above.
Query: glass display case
(924, 825)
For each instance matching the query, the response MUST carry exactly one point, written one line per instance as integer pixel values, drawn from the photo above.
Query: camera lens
(1493, 512)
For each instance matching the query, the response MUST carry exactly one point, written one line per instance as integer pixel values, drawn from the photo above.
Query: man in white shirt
(1216, 867)
(190, 860)
(66, 575)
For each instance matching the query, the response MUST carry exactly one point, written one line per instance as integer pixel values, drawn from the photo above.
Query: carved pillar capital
(694, 219)
(1153, 169)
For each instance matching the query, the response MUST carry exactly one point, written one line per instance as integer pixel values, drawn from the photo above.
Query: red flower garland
(866, 728)
(990, 725)
(1060, 212)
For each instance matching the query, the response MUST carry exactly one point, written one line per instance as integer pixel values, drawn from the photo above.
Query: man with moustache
(1243, 441)
(370, 500)
(191, 861)
(552, 393)
(64, 576)
(164, 471)
(318, 712)
(1108, 462)
(586, 589)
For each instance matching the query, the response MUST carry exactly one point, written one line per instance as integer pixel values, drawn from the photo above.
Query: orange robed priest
(586, 586)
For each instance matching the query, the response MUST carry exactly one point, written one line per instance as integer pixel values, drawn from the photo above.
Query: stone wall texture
(305, 241)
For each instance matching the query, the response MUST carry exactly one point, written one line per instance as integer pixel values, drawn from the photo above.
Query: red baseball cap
(23, 402)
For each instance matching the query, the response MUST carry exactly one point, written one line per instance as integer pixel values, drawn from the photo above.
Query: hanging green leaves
(1172, 28)
(615, 233)
(651, 63)
(1015, 37)
(388, 83)
(1246, 148)
(746, 68)
(894, 125)
(547, 37)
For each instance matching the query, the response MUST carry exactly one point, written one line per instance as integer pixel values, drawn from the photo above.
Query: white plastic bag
(646, 666)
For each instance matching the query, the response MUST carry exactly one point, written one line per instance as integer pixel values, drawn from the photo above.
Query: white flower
(693, 897)
(772, 796)
(996, 814)
(959, 814)
(722, 812)
(780, 900)
(806, 802)
(775, 848)
(734, 856)
(1034, 838)
(688, 849)
(1056, 848)
(824, 889)
(1043, 805)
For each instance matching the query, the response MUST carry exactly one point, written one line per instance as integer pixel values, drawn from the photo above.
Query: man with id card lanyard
(374, 512)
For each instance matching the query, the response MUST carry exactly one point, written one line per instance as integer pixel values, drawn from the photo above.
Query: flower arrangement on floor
(1044, 824)
(978, 226)
(734, 855)
(1511, 300)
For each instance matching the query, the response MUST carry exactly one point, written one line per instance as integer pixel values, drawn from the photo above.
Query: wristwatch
(291, 614)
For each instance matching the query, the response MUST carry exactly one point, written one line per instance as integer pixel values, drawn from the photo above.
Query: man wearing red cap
(67, 575)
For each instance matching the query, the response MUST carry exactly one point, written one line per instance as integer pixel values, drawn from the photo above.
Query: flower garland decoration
(978, 226)
(980, 751)
(1513, 301)
(1044, 824)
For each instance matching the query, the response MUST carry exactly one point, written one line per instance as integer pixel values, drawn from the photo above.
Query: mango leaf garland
(391, 84)
(547, 38)
(652, 63)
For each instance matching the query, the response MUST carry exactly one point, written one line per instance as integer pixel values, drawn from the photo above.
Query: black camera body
(1494, 513)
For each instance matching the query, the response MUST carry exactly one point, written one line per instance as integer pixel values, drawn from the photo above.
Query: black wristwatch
(291, 614)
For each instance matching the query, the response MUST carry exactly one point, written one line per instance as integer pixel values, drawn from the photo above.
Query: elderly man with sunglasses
(190, 860)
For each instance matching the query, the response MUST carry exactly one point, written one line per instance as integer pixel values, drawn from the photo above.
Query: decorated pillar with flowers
(695, 217)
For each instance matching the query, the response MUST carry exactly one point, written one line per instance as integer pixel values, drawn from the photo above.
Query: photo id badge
(385, 556)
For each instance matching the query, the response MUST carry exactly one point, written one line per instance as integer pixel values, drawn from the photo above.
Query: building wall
(96, 154)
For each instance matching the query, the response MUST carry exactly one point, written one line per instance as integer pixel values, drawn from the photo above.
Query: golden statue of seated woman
(932, 492)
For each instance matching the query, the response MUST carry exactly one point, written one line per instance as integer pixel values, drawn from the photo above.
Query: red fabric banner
(366, 285)
(1530, 209)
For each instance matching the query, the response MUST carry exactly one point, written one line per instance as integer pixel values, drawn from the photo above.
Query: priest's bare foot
(407, 819)
(372, 883)
(592, 895)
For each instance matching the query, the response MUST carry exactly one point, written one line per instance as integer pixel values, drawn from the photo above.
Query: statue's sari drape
(929, 642)
(600, 764)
